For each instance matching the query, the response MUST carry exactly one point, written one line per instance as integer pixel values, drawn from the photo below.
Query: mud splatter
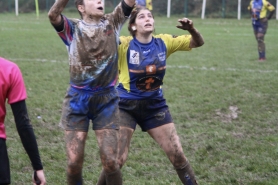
(230, 115)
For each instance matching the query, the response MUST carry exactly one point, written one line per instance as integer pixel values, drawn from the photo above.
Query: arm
(54, 13)
(27, 137)
(270, 15)
(271, 9)
(130, 3)
(196, 39)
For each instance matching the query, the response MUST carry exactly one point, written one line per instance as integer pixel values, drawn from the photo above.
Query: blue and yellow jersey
(259, 9)
(141, 3)
(142, 66)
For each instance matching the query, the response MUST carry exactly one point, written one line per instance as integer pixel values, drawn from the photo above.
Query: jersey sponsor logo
(134, 57)
(150, 69)
(161, 56)
(160, 116)
(144, 52)
(148, 83)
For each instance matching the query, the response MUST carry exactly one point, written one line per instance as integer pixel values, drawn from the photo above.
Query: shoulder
(125, 40)
(268, 5)
(172, 38)
(163, 37)
(7, 65)
(265, 2)
(72, 21)
(10, 72)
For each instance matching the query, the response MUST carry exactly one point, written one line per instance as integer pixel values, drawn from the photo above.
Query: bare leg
(75, 144)
(108, 143)
(125, 134)
(261, 45)
(167, 138)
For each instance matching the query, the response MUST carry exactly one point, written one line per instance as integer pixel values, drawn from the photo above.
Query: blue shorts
(147, 114)
(260, 26)
(81, 106)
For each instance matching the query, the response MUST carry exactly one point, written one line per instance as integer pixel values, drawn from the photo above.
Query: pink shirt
(11, 88)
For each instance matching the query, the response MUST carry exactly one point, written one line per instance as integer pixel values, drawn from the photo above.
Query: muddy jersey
(92, 50)
(259, 9)
(142, 66)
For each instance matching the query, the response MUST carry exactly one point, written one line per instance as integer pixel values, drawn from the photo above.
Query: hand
(38, 178)
(186, 24)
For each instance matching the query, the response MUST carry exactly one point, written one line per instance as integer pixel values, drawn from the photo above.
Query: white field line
(168, 66)
(37, 60)
(219, 69)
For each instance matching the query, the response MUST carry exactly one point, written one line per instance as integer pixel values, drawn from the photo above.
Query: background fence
(188, 8)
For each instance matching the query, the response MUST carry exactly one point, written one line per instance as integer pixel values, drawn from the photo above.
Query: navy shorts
(80, 106)
(147, 114)
(5, 176)
(260, 26)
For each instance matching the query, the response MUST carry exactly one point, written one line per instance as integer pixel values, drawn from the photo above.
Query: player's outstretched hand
(186, 24)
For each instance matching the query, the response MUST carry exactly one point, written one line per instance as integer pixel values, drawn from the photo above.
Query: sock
(187, 175)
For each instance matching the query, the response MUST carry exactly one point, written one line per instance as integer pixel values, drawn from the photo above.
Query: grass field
(223, 101)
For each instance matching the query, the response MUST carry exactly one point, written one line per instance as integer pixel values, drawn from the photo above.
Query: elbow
(199, 43)
(202, 42)
(51, 15)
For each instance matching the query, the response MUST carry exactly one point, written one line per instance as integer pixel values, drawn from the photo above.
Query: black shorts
(148, 114)
(260, 26)
(5, 176)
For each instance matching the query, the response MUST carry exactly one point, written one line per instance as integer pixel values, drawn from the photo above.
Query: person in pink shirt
(12, 90)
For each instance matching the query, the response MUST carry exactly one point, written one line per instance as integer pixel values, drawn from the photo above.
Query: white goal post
(16, 7)
(239, 10)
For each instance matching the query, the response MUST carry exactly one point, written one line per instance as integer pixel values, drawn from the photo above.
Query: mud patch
(227, 116)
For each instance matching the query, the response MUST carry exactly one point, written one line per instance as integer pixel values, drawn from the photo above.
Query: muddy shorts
(260, 26)
(80, 106)
(147, 114)
(5, 177)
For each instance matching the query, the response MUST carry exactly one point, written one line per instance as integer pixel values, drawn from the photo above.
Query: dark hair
(78, 2)
(132, 18)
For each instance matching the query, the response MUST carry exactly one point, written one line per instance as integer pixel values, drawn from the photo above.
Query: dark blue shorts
(80, 106)
(260, 26)
(147, 114)
(5, 176)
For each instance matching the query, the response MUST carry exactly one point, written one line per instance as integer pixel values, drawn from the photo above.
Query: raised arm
(196, 39)
(130, 3)
(54, 13)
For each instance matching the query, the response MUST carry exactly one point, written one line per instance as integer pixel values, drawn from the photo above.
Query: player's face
(144, 22)
(93, 8)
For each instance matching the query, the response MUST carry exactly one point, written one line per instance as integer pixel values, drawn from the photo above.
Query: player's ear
(81, 8)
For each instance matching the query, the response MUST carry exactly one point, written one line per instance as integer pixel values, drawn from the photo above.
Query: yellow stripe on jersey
(122, 61)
